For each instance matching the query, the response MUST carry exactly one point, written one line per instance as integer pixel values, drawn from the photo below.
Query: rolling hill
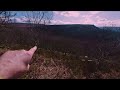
(72, 51)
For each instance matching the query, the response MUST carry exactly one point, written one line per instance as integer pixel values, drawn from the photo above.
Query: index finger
(27, 58)
(32, 50)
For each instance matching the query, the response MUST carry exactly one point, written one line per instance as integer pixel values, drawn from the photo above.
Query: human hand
(14, 63)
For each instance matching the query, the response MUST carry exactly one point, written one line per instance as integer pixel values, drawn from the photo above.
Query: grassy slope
(58, 56)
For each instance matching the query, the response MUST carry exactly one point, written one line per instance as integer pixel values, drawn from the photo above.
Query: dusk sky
(98, 18)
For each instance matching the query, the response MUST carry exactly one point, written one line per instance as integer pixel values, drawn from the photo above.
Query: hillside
(70, 51)
(111, 28)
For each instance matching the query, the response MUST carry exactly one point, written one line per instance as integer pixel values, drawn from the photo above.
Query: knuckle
(9, 51)
(26, 68)
(23, 50)
(28, 54)
(23, 68)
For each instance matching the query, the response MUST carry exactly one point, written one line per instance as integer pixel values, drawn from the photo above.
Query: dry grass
(51, 67)
(104, 75)
(47, 68)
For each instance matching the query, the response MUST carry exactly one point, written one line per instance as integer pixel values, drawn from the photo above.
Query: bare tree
(35, 19)
(107, 46)
(38, 17)
(5, 17)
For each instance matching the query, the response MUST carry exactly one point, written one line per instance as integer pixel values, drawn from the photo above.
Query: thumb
(32, 50)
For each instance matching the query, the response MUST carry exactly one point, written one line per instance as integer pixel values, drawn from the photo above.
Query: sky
(97, 18)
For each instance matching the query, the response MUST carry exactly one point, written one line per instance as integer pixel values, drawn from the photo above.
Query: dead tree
(5, 17)
(37, 18)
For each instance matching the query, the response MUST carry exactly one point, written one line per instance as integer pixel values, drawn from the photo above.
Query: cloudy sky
(98, 18)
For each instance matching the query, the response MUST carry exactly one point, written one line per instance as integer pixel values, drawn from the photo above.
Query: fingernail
(35, 47)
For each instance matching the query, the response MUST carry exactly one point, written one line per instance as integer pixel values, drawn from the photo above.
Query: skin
(15, 63)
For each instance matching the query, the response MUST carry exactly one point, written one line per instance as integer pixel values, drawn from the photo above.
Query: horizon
(97, 18)
(66, 24)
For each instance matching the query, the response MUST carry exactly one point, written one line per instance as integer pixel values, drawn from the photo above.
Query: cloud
(82, 17)
(98, 18)
(23, 18)
(106, 22)
(60, 22)
(73, 14)
(89, 19)
(18, 20)
(94, 12)
(99, 21)
(68, 13)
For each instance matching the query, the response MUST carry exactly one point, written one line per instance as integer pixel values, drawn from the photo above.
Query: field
(66, 51)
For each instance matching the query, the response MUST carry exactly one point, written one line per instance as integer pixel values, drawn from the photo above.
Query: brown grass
(49, 65)
(47, 68)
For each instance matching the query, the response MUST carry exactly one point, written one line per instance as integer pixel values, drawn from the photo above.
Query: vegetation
(66, 51)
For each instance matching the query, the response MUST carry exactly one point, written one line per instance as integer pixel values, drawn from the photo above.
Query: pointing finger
(32, 50)
(30, 54)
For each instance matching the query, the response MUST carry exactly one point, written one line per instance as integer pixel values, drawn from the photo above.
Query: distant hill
(73, 31)
(59, 27)
(71, 37)
(111, 28)
(66, 30)
(71, 27)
